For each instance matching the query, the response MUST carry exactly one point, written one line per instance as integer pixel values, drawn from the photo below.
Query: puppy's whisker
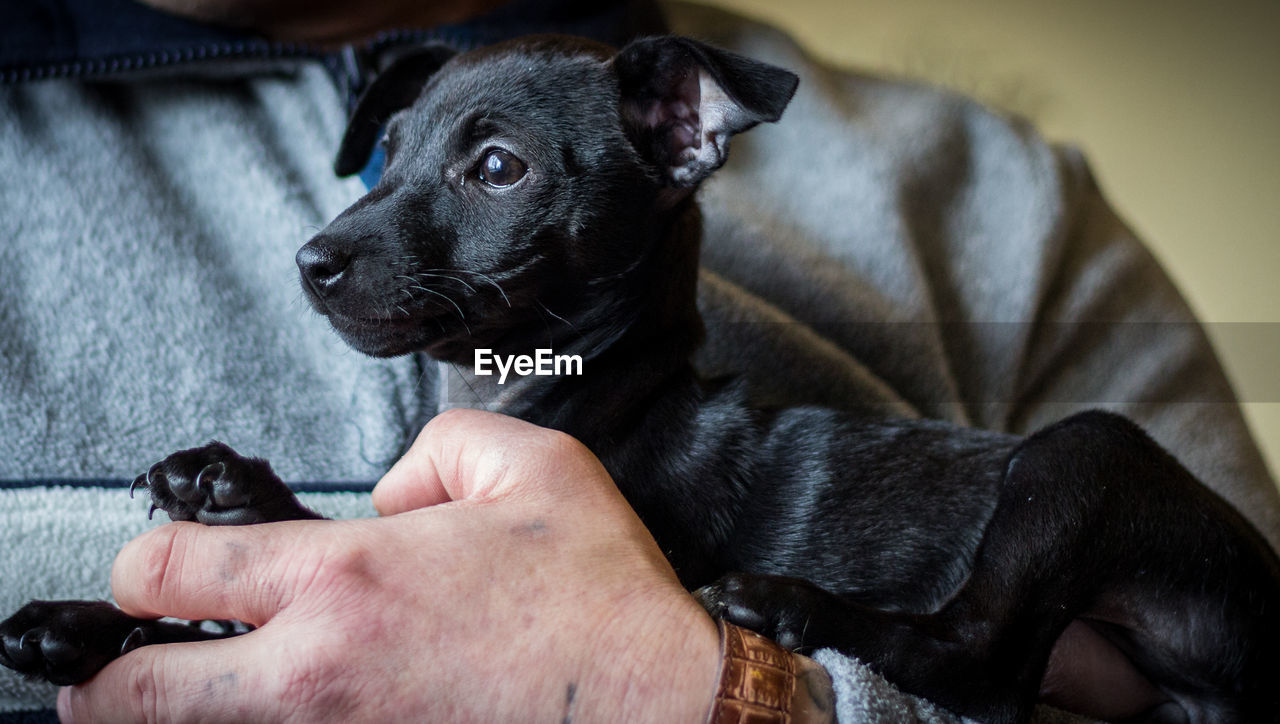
(483, 277)
(546, 325)
(453, 279)
(467, 382)
(461, 315)
(426, 368)
(557, 316)
(447, 299)
(499, 288)
(432, 302)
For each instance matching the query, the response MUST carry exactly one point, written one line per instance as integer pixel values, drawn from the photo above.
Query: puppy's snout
(321, 265)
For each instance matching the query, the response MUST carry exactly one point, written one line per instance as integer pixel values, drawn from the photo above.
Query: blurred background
(1175, 102)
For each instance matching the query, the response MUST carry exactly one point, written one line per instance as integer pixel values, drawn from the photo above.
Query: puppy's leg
(215, 485)
(803, 617)
(1095, 523)
(67, 642)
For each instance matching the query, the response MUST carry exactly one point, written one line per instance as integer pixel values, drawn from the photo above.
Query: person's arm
(535, 595)
(972, 270)
(1110, 329)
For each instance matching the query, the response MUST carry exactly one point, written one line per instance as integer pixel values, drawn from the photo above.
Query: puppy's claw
(720, 604)
(138, 482)
(214, 485)
(707, 598)
(136, 638)
(29, 646)
(213, 471)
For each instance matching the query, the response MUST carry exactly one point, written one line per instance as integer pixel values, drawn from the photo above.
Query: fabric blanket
(886, 248)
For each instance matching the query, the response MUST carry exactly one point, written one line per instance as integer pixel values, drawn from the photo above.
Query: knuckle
(350, 568)
(564, 445)
(144, 687)
(339, 569)
(163, 552)
(349, 564)
(562, 449)
(451, 416)
(450, 421)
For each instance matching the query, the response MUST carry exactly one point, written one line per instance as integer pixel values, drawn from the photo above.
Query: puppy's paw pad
(213, 484)
(774, 607)
(63, 642)
(727, 599)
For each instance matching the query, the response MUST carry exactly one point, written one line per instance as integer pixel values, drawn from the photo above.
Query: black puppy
(538, 194)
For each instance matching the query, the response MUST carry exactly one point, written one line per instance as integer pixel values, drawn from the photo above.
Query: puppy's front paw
(66, 642)
(782, 609)
(215, 485)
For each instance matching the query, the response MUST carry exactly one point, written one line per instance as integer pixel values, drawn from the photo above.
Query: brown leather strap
(757, 680)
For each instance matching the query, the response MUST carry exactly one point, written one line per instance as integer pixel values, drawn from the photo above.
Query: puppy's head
(524, 186)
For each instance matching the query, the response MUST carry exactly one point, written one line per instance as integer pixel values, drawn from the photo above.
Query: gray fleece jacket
(887, 247)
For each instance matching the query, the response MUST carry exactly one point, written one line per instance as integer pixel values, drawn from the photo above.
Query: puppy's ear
(683, 100)
(394, 88)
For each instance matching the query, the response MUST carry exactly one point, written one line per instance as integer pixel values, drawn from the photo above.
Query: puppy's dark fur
(539, 194)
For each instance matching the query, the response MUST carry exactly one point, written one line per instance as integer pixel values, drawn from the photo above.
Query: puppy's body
(539, 194)
(952, 560)
(660, 429)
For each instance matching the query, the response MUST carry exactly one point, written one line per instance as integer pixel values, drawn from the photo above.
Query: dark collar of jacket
(42, 39)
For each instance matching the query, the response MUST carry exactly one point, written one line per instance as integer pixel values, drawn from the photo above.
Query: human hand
(507, 581)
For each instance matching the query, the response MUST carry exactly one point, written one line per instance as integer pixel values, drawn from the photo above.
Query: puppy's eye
(499, 168)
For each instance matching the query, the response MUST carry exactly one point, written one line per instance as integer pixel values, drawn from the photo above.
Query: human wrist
(760, 681)
(663, 670)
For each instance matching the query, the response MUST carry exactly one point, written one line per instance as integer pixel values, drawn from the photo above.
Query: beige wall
(1176, 103)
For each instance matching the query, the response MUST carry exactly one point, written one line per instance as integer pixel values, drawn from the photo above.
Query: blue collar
(97, 38)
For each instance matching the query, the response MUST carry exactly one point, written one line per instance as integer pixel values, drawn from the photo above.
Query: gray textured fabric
(955, 256)
(149, 289)
(94, 523)
(861, 696)
(866, 698)
(887, 247)
(149, 302)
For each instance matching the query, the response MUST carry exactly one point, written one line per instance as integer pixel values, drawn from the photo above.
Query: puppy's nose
(321, 265)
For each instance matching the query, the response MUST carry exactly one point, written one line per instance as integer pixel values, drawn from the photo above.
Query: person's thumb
(473, 455)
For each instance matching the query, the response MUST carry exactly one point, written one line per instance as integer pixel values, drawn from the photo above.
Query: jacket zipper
(352, 71)
(97, 67)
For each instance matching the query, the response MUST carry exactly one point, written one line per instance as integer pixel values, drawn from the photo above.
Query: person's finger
(196, 572)
(174, 682)
(474, 455)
